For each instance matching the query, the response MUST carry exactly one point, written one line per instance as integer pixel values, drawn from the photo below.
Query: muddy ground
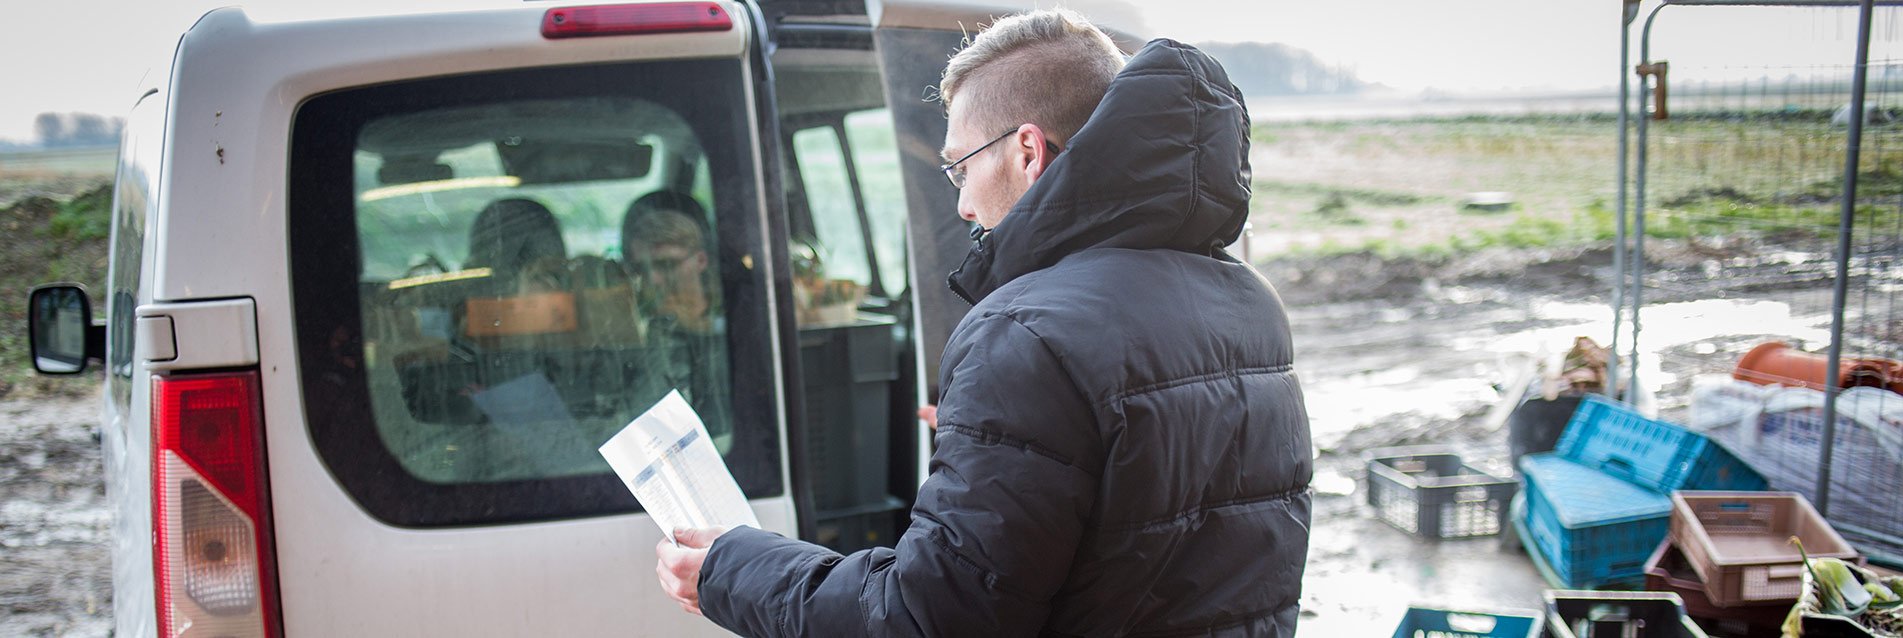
(1406, 353)
(55, 530)
(1391, 352)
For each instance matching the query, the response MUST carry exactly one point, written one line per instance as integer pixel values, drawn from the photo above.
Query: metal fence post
(1628, 12)
(1846, 222)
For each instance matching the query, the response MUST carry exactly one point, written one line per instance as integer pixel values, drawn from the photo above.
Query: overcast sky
(88, 55)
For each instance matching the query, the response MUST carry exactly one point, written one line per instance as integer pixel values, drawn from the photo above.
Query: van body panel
(566, 578)
(199, 335)
(239, 83)
(126, 437)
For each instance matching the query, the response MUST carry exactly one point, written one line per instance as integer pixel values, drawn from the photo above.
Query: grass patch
(1526, 231)
(1370, 196)
(84, 218)
(49, 240)
(1333, 209)
(1725, 217)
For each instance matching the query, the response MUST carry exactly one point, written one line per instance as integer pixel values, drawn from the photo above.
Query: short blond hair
(1048, 67)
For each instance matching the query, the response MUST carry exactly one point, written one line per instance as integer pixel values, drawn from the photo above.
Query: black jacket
(1122, 445)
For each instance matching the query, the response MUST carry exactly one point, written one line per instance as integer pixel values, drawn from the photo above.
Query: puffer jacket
(1122, 444)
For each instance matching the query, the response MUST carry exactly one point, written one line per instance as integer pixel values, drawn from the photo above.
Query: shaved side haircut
(1048, 68)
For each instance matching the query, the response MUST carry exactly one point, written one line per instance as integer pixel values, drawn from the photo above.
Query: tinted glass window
(498, 272)
(875, 154)
(839, 243)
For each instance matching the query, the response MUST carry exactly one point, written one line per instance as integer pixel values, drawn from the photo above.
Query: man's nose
(965, 211)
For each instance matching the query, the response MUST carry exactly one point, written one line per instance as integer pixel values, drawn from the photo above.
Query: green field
(82, 161)
(1397, 187)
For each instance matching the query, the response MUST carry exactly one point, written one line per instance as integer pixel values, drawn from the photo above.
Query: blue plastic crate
(1715, 468)
(1422, 622)
(1594, 530)
(1663, 457)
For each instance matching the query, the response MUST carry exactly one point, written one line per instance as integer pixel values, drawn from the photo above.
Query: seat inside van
(520, 243)
(531, 326)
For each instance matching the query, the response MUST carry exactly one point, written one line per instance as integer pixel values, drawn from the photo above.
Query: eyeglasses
(956, 173)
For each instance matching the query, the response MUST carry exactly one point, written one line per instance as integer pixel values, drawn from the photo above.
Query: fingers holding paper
(679, 566)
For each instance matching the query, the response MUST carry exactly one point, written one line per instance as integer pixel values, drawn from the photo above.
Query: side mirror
(60, 330)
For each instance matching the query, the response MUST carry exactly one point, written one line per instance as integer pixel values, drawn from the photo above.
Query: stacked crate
(1599, 505)
(1730, 558)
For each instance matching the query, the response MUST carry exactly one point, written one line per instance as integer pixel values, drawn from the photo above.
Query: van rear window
(496, 272)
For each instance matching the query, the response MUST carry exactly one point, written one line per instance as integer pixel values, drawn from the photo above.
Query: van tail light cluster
(211, 512)
(635, 19)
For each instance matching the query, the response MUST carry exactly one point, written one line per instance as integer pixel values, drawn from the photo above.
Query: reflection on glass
(514, 322)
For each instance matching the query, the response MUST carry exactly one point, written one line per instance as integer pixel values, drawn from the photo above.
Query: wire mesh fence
(1740, 192)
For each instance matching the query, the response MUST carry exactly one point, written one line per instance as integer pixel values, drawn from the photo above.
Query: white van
(380, 285)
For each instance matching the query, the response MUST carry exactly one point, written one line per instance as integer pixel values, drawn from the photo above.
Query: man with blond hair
(1122, 447)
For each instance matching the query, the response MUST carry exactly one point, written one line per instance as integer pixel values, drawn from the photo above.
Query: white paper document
(666, 458)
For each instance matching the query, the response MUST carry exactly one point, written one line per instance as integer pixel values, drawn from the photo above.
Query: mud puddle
(1426, 361)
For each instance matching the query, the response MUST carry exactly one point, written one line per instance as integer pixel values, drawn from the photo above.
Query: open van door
(873, 230)
(852, 431)
(915, 39)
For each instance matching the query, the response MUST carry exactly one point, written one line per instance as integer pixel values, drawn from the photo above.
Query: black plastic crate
(1617, 614)
(1430, 492)
(866, 527)
(848, 373)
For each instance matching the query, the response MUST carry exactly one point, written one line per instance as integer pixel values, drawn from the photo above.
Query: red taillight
(211, 511)
(629, 19)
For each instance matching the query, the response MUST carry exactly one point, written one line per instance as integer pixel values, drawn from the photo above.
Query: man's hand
(679, 567)
(929, 414)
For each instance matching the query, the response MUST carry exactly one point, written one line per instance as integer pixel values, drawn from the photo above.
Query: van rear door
(493, 248)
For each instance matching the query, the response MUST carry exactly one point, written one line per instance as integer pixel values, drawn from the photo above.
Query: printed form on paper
(666, 458)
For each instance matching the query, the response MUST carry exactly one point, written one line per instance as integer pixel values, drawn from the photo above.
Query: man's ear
(1034, 153)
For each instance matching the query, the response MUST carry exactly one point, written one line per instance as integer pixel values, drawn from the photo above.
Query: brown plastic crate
(1739, 543)
(1668, 572)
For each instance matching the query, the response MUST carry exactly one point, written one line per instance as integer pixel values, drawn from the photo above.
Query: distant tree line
(66, 130)
(1261, 69)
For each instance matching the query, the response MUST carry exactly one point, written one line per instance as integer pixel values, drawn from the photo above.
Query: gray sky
(88, 55)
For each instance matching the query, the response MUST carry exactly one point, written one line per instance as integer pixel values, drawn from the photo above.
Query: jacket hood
(1163, 163)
